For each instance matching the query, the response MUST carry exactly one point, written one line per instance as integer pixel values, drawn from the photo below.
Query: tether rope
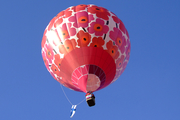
(68, 98)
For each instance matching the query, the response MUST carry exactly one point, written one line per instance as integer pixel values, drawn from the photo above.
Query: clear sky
(149, 88)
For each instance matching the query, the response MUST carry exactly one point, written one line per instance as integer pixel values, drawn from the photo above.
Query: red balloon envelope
(86, 47)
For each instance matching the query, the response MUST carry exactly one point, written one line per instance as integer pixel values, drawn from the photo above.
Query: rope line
(81, 102)
(68, 98)
(65, 95)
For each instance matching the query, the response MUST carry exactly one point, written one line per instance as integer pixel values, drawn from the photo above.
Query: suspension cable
(68, 98)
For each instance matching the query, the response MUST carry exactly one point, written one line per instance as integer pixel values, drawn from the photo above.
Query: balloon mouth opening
(93, 83)
(88, 78)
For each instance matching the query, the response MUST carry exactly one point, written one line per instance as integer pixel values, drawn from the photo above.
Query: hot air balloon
(86, 48)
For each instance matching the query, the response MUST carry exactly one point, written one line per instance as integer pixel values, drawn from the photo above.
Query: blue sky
(149, 88)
